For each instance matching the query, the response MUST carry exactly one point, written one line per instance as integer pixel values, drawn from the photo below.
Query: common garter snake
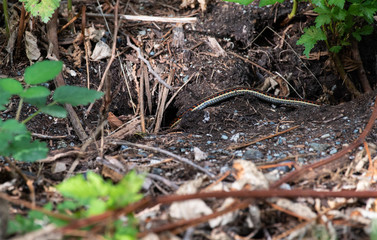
(231, 92)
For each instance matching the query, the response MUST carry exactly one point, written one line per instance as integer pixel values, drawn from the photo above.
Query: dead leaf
(114, 122)
(32, 50)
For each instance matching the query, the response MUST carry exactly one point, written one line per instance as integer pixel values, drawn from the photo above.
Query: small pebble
(333, 151)
(124, 147)
(224, 169)
(318, 147)
(252, 154)
(199, 154)
(325, 135)
(235, 137)
(142, 153)
(157, 171)
(224, 137)
(238, 153)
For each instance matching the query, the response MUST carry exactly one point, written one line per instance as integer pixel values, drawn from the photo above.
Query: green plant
(44, 9)
(15, 139)
(373, 234)
(337, 22)
(90, 195)
(263, 3)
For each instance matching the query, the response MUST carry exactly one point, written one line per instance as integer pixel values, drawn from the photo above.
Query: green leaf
(4, 99)
(75, 95)
(322, 19)
(42, 8)
(373, 234)
(319, 3)
(133, 183)
(366, 30)
(338, 14)
(99, 195)
(11, 85)
(23, 149)
(338, 3)
(22, 224)
(263, 3)
(322, 10)
(369, 11)
(67, 205)
(9, 129)
(125, 231)
(39, 102)
(13, 127)
(41, 72)
(18, 142)
(82, 189)
(35, 92)
(355, 9)
(335, 49)
(54, 110)
(243, 2)
(310, 37)
(97, 206)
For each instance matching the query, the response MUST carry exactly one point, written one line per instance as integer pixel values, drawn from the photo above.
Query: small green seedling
(44, 8)
(15, 139)
(88, 196)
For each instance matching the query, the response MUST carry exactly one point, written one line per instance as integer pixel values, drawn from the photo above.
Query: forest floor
(228, 45)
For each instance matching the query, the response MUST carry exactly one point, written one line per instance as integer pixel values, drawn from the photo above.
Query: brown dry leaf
(101, 51)
(131, 128)
(225, 218)
(114, 122)
(248, 174)
(32, 50)
(300, 209)
(215, 46)
(191, 208)
(112, 168)
(283, 87)
(76, 55)
(178, 36)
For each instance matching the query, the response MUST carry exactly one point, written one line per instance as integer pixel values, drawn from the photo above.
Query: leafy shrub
(15, 139)
(88, 196)
(336, 23)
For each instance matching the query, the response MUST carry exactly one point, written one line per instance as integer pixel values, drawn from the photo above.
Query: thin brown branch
(235, 147)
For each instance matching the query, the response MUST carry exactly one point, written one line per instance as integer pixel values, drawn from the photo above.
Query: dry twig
(175, 156)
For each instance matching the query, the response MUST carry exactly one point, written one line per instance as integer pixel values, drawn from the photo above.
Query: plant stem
(6, 18)
(36, 113)
(19, 109)
(31, 116)
(70, 14)
(360, 70)
(343, 75)
(294, 9)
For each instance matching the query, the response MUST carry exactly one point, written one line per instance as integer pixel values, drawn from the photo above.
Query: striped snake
(231, 92)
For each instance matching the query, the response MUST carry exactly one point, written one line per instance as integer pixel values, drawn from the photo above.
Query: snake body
(228, 93)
